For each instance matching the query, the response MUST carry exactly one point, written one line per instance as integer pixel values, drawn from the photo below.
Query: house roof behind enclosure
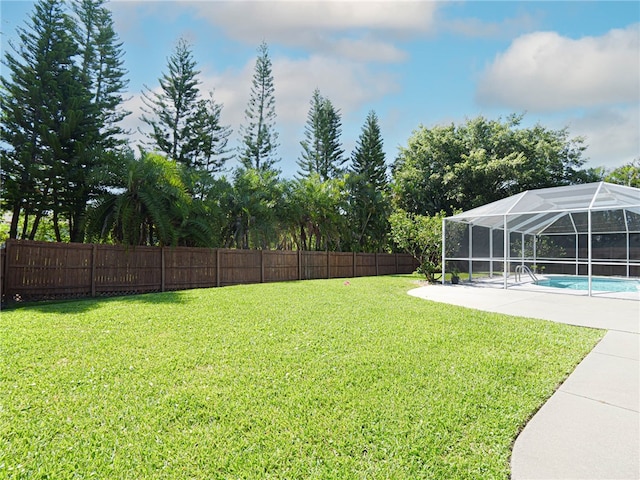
(562, 210)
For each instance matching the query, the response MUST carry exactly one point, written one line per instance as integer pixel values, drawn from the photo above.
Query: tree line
(69, 173)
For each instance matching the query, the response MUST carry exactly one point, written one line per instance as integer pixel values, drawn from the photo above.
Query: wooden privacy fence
(33, 271)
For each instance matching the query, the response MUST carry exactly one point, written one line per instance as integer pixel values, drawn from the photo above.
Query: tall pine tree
(259, 137)
(185, 127)
(102, 68)
(103, 74)
(368, 159)
(210, 139)
(43, 102)
(171, 110)
(321, 149)
(369, 205)
(60, 107)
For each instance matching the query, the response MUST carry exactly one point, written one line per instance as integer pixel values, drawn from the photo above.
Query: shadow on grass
(80, 305)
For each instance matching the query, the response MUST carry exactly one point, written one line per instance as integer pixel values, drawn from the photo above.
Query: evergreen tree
(210, 139)
(368, 159)
(185, 127)
(103, 74)
(369, 205)
(259, 138)
(61, 108)
(175, 105)
(102, 67)
(321, 149)
(43, 103)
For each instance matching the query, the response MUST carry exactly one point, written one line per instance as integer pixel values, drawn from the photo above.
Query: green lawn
(315, 379)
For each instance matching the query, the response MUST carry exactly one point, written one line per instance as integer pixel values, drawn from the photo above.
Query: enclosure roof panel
(540, 208)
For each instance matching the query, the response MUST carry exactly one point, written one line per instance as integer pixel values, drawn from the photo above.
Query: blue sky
(574, 64)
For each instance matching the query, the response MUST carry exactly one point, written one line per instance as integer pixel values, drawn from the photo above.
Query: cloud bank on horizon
(574, 64)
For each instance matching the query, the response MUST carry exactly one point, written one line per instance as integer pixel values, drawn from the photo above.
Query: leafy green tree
(420, 236)
(185, 127)
(259, 137)
(45, 231)
(367, 182)
(321, 149)
(628, 174)
(44, 104)
(147, 202)
(461, 167)
(550, 158)
(421, 172)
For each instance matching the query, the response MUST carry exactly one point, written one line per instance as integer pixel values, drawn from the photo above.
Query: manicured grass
(315, 379)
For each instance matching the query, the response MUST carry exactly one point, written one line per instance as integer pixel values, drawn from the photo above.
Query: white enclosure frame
(551, 211)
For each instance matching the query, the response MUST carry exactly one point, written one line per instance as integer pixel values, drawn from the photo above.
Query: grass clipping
(315, 379)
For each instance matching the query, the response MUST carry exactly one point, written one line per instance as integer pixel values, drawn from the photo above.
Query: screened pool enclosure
(590, 229)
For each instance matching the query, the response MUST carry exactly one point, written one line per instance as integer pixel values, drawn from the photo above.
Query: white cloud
(544, 71)
(366, 49)
(348, 85)
(283, 18)
(612, 135)
(355, 29)
(476, 28)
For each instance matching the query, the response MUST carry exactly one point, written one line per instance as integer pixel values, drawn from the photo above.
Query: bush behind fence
(34, 271)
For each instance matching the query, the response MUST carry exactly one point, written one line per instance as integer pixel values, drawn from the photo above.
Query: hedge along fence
(33, 271)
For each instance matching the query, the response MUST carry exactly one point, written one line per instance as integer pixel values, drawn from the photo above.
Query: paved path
(590, 427)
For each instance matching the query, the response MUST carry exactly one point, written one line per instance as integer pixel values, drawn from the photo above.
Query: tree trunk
(25, 223)
(303, 238)
(36, 223)
(75, 233)
(56, 224)
(15, 216)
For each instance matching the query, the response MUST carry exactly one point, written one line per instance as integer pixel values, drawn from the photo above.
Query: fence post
(299, 264)
(354, 265)
(94, 255)
(217, 267)
(262, 266)
(396, 255)
(328, 265)
(162, 269)
(377, 272)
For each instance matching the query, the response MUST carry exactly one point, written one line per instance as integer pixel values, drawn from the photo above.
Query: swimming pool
(597, 283)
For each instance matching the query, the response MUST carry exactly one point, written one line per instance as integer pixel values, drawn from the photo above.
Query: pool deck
(590, 427)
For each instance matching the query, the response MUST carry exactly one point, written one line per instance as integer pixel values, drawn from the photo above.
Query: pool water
(597, 283)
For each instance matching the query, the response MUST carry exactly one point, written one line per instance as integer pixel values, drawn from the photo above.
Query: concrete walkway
(590, 427)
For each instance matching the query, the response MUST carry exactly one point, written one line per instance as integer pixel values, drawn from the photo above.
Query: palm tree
(255, 206)
(145, 202)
